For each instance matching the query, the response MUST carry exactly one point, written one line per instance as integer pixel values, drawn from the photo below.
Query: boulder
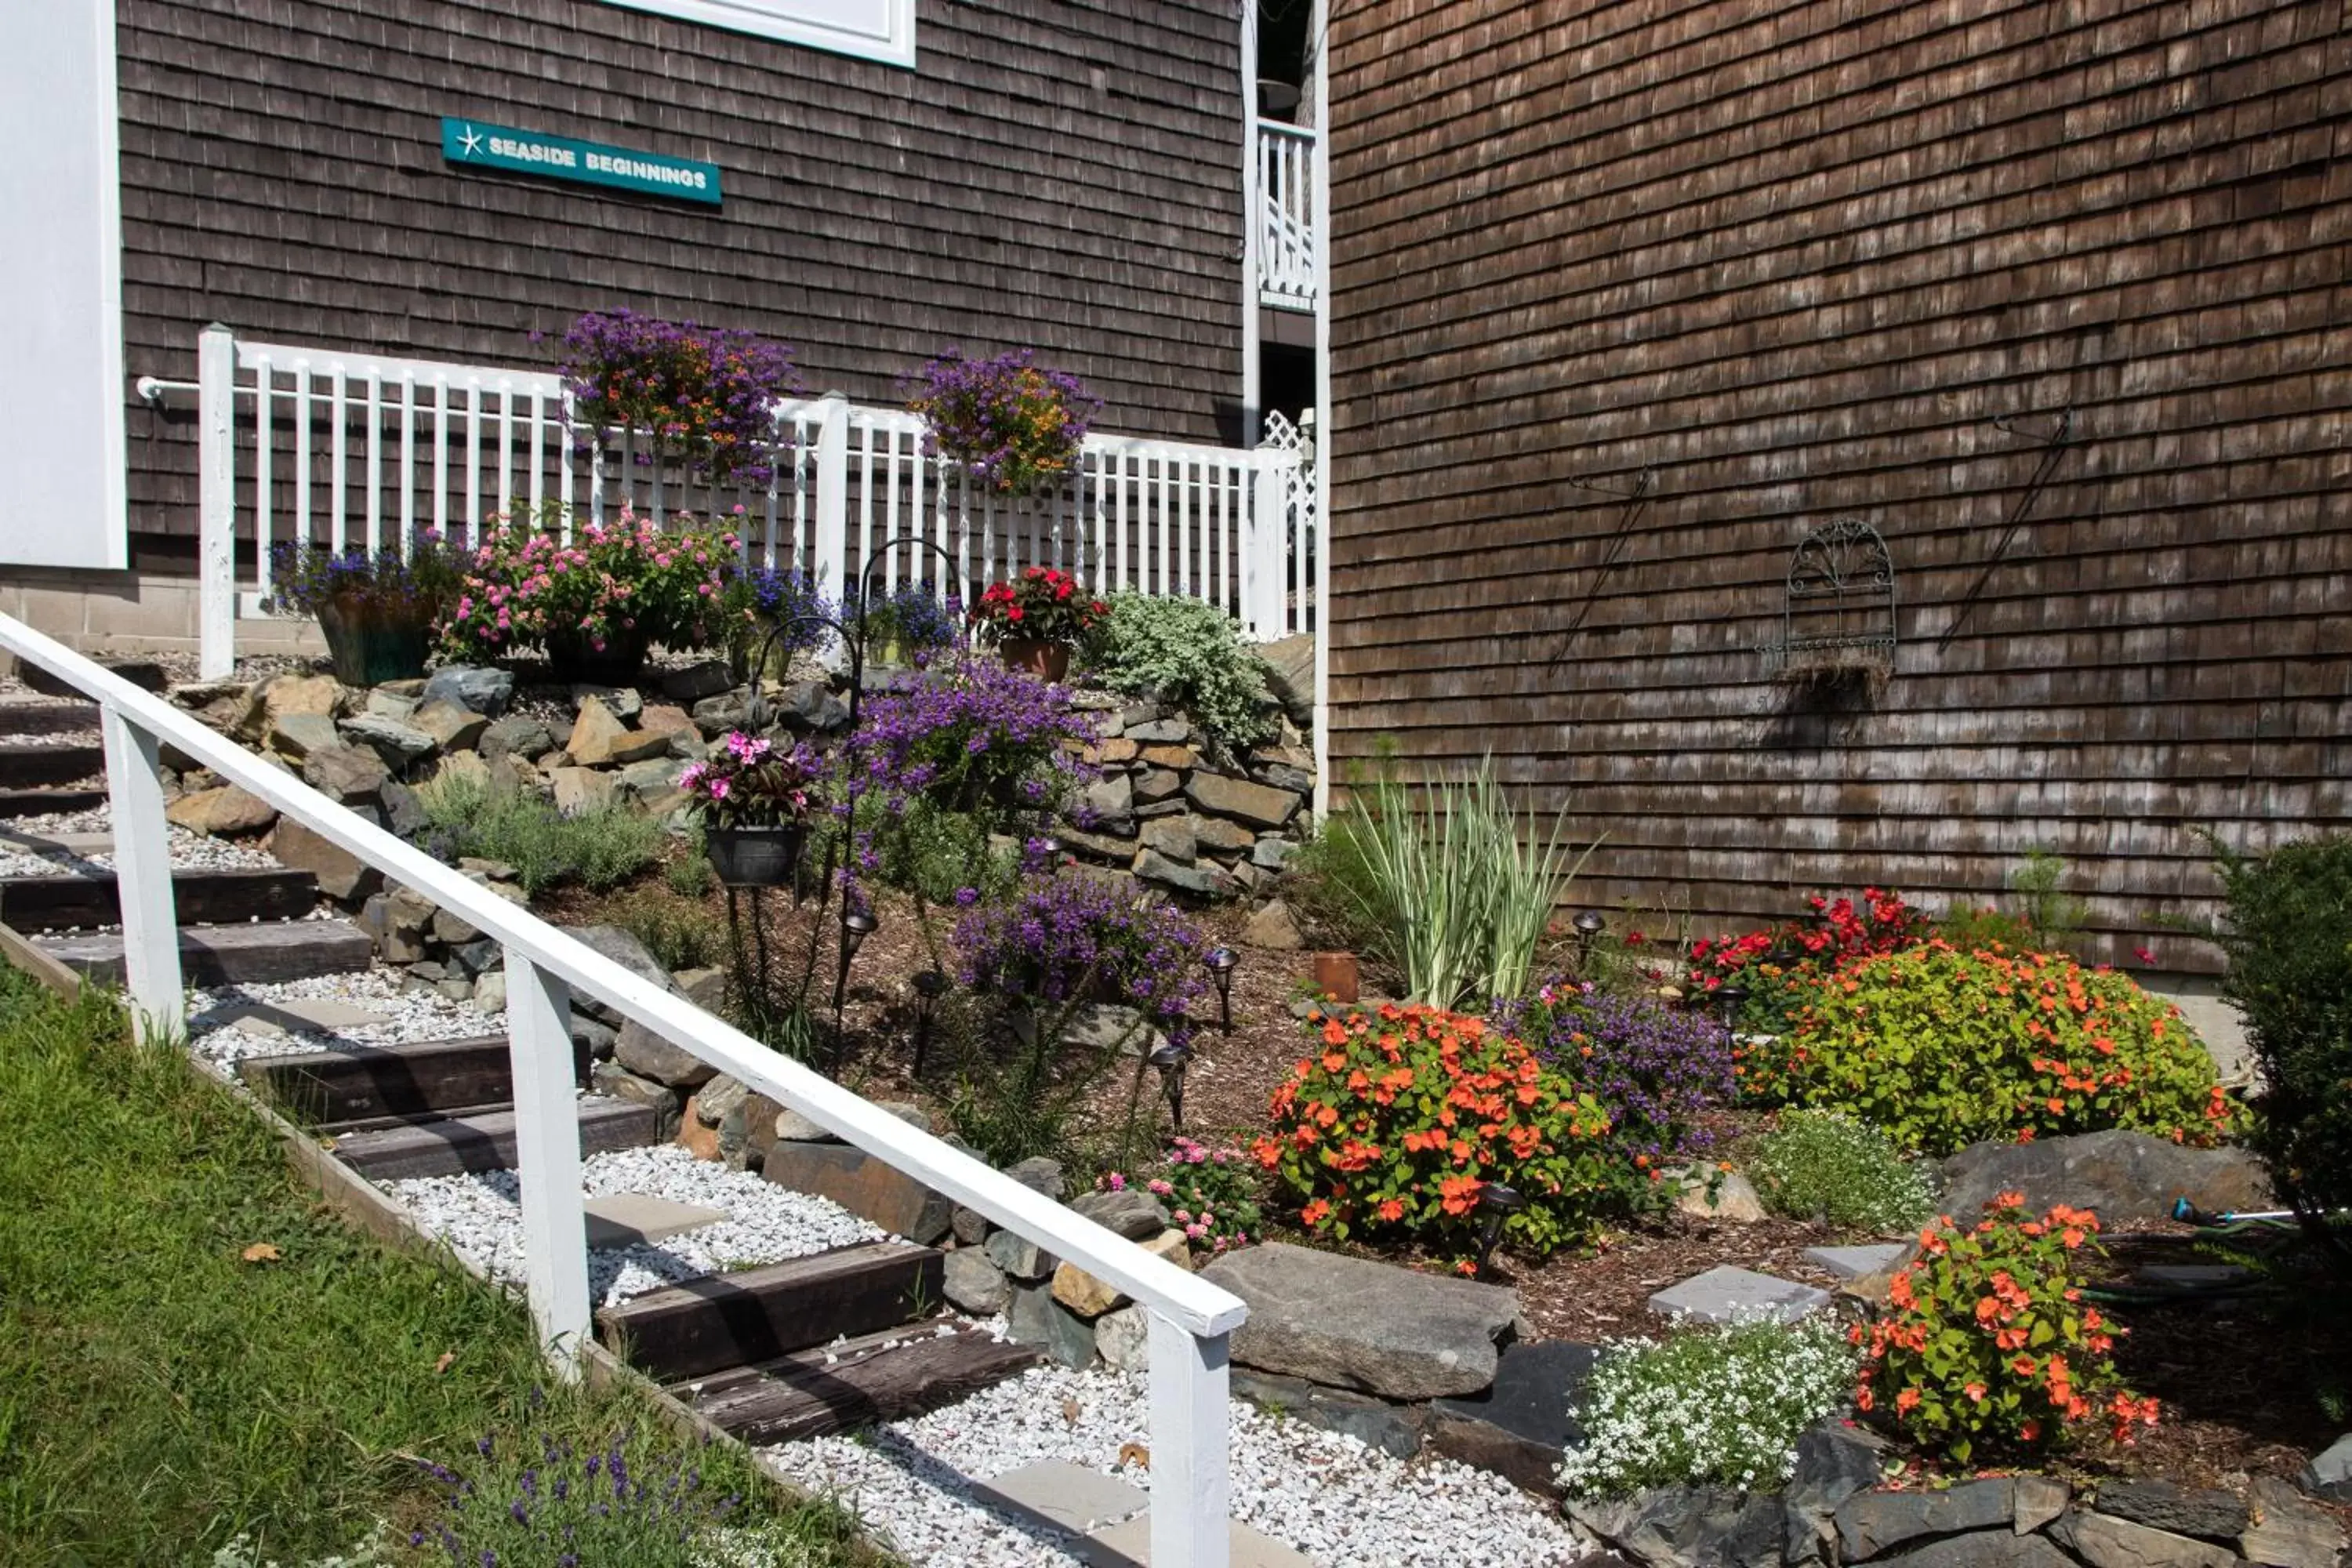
(2212, 1513)
(1273, 854)
(649, 781)
(1522, 1426)
(1159, 731)
(1394, 1430)
(1260, 805)
(1131, 1212)
(1290, 676)
(625, 949)
(1870, 1522)
(516, 736)
(1123, 1339)
(643, 1052)
(1834, 1461)
(2104, 1542)
(1211, 882)
(2287, 1531)
(486, 691)
(403, 814)
(342, 876)
(1219, 837)
(298, 735)
(1350, 1322)
(1157, 784)
(664, 720)
(1180, 758)
(490, 992)
(1115, 752)
(1032, 1318)
(222, 813)
(273, 700)
(1040, 1174)
(1282, 777)
(974, 1284)
(1088, 1297)
(864, 1185)
(579, 789)
(1728, 1195)
(1983, 1548)
(697, 681)
(615, 1082)
(2330, 1474)
(598, 736)
(1109, 800)
(626, 701)
(397, 742)
(1689, 1526)
(2040, 1499)
(453, 726)
(391, 704)
(352, 774)
(1019, 1256)
(2121, 1177)
(1272, 927)
(716, 715)
(1171, 837)
(807, 706)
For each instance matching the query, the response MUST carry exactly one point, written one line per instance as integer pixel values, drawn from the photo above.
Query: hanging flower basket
(755, 856)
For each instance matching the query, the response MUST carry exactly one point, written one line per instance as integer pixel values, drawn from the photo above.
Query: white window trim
(790, 21)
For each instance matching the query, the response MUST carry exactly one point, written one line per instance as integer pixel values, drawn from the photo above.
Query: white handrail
(1190, 1319)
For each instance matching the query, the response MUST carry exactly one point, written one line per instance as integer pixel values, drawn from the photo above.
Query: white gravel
(480, 1217)
(1342, 1503)
(58, 738)
(191, 850)
(409, 1016)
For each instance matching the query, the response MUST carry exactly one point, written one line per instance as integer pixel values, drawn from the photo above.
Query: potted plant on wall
(752, 800)
(1036, 619)
(376, 611)
(1007, 423)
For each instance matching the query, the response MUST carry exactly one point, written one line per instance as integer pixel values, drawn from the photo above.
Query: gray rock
(297, 735)
(623, 950)
(490, 992)
(1350, 1323)
(1258, 805)
(721, 1096)
(624, 701)
(1109, 800)
(2040, 1499)
(1273, 854)
(1522, 1426)
(453, 930)
(1726, 1196)
(347, 773)
(968, 1226)
(1041, 1175)
(1834, 1461)
(1290, 676)
(342, 876)
(2122, 1177)
(791, 1127)
(1172, 837)
(643, 1052)
(2213, 1515)
(648, 779)
(593, 1036)
(2287, 1531)
(1139, 712)
(716, 715)
(697, 681)
(518, 736)
(1690, 1527)
(1123, 1339)
(2330, 1474)
(807, 707)
(1272, 927)
(974, 1284)
(1033, 1317)
(397, 743)
(1019, 1256)
(1160, 732)
(1155, 784)
(2104, 1542)
(403, 814)
(477, 958)
(866, 1186)
(1283, 777)
(1870, 1522)
(617, 1082)
(486, 691)
(1209, 882)
(453, 726)
(1983, 1548)
(1133, 1213)
(1394, 1430)
(1723, 1292)
(1215, 836)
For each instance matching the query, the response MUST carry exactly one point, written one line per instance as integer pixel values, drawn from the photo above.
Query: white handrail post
(830, 543)
(143, 873)
(1264, 584)
(1191, 1487)
(217, 502)
(547, 1158)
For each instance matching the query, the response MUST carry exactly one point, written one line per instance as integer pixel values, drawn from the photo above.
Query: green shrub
(1942, 1049)
(2289, 937)
(1186, 652)
(2041, 918)
(679, 935)
(1722, 1405)
(598, 848)
(1459, 895)
(1821, 1165)
(688, 876)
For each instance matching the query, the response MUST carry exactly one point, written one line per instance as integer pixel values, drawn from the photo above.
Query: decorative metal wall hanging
(1636, 498)
(1839, 621)
(2053, 442)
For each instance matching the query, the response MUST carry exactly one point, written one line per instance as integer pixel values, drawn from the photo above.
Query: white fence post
(830, 529)
(547, 1157)
(1190, 1489)
(143, 873)
(217, 502)
(1267, 604)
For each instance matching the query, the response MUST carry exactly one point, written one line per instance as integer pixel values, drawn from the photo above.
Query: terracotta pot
(370, 649)
(1336, 976)
(1046, 660)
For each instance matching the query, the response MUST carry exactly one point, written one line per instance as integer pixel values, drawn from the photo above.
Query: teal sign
(477, 145)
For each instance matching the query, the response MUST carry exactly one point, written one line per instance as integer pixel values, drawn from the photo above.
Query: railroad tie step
(32, 764)
(759, 1315)
(229, 954)
(358, 1083)
(18, 717)
(482, 1141)
(15, 803)
(199, 897)
(877, 1377)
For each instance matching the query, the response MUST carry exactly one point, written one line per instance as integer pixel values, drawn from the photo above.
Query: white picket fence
(1191, 1320)
(301, 442)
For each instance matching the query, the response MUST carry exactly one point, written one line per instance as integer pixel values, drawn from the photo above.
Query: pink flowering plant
(625, 582)
(750, 782)
(1209, 1193)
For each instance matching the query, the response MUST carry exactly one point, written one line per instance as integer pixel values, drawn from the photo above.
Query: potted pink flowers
(752, 799)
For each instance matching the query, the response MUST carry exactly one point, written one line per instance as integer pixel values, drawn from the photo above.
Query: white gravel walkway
(1342, 1503)
(191, 850)
(480, 1218)
(217, 1035)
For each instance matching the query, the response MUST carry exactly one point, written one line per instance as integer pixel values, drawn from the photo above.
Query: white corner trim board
(880, 30)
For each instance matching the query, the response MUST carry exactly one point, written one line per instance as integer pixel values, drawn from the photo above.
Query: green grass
(162, 1396)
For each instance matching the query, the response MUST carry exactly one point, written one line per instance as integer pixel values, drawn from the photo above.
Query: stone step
(15, 803)
(201, 897)
(229, 955)
(18, 717)
(360, 1083)
(485, 1140)
(759, 1315)
(25, 764)
(883, 1376)
(1724, 1293)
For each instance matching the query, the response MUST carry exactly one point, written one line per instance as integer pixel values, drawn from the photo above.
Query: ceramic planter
(370, 647)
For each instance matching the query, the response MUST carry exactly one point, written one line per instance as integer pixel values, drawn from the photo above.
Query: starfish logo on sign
(470, 140)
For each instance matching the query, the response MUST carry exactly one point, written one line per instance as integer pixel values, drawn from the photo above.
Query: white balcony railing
(1286, 182)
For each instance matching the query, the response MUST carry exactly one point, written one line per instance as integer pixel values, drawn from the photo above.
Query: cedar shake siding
(1797, 260)
(1062, 174)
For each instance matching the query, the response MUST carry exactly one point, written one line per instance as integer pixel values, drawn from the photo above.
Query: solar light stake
(857, 925)
(930, 986)
(1170, 1060)
(1500, 1202)
(1589, 926)
(1730, 998)
(1222, 962)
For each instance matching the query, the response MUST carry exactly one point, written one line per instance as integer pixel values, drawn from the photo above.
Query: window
(872, 30)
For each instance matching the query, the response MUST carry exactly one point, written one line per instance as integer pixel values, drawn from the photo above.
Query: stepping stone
(1128, 1545)
(318, 1015)
(1855, 1262)
(624, 1219)
(1067, 1496)
(2193, 1276)
(1722, 1293)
